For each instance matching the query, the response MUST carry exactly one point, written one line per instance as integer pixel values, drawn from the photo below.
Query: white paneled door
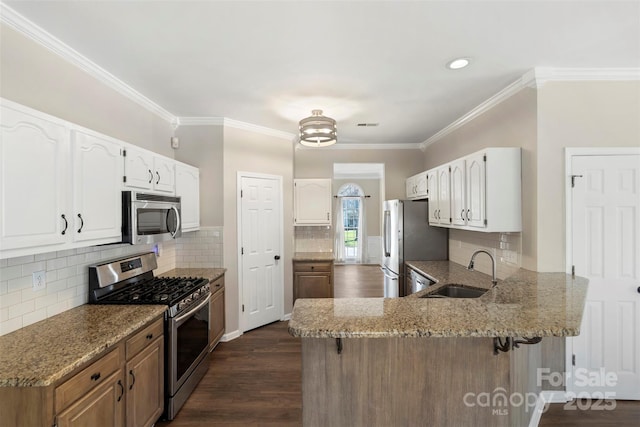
(261, 240)
(606, 250)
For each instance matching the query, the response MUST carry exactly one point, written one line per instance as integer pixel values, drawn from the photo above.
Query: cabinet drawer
(312, 266)
(81, 383)
(144, 338)
(217, 286)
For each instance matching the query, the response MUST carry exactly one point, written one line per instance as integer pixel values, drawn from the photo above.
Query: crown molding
(237, 124)
(19, 23)
(339, 146)
(536, 78)
(200, 121)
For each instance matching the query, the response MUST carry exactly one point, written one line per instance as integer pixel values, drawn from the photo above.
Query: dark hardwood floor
(357, 281)
(255, 380)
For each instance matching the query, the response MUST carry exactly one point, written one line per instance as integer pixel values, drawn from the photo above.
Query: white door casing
(605, 247)
(261, 261)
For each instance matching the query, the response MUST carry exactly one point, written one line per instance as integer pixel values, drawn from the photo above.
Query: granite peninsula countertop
(44, 352)
(313, 256)
(526, 304)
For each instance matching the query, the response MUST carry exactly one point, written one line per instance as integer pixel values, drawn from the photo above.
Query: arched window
(350, 229)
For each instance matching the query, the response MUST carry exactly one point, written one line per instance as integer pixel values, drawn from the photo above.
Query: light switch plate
(39, 280)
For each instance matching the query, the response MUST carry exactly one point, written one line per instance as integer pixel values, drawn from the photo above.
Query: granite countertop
(313, 256)
(209, 273)
(526, 304)
(43, 353)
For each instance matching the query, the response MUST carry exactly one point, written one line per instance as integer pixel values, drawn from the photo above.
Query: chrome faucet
(493, 264)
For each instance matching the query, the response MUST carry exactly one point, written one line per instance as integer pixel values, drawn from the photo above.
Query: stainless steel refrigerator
(407, 235)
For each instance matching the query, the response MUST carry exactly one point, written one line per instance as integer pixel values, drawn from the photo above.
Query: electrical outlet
(39, 280)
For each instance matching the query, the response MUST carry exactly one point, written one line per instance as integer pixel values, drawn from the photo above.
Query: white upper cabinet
(59, 184)
(458, 208)
(97, 200)
(416, 186)
(481, 192)
(147, 171)
(434, 201)
(312, 201)
(188, 189)
(33, 179)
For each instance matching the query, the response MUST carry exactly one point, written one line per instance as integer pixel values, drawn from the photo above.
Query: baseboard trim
(286, 317)
(231, 336)
(546, 396)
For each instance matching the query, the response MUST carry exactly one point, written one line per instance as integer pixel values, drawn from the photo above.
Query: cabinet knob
(96, 376)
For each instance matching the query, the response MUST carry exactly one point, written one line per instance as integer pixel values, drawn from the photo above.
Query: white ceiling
(269, 63)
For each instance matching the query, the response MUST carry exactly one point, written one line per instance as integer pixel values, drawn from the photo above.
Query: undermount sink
(456, 291)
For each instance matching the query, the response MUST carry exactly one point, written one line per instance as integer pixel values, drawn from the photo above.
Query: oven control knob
(180, 305)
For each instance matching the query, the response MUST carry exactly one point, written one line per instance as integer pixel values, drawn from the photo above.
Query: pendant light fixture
(317, 130)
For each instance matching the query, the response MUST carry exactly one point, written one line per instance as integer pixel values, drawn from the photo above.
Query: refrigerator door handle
(384, 271)
(386, 237)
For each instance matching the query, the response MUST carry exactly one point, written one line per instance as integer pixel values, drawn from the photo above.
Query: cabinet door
(312, 201)
(216, 315)
(312, 285)
(444, 196)
(188, 189)
(164, 175)
(101, 407)
(138, 169)
(33, 179)
(432, 190)
(145, 385)
(458, 209)
(475, 190)
(409, 186)
(97, 199)
(421, 185)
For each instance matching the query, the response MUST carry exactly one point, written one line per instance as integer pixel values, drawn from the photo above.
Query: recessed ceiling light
(458, 63)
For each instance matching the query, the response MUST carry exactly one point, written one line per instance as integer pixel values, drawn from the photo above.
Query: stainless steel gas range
(131, 280)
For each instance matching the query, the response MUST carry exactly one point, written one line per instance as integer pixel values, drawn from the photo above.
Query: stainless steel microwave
(150, 218)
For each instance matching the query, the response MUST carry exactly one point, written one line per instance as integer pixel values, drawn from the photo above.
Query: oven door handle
(182, 317)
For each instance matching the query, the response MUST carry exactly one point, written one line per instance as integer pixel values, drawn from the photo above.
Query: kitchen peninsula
(402, 361)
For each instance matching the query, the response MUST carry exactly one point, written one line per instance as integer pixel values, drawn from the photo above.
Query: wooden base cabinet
(216, 313)
(124, 386)
(312, 279)
(145, 383)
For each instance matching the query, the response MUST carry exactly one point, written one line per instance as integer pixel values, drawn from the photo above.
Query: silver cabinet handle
(150, 176)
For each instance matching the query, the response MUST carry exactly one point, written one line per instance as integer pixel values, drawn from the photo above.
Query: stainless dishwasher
(416, 281)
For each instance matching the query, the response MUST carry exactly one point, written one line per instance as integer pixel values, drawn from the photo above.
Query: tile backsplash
(313, 239)
(506, 248)
(67, 274)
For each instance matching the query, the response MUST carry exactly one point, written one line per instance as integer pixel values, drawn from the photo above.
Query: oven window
(193, 338)
(156, 221)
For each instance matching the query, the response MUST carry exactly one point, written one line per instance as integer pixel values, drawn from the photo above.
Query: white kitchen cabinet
(416, 186)
(457, 192)
(59, 184)
(481, 192)
(434, 201)
(312, 201)
(33, 179)
(147, 171)
(188, 189)
(97, 200)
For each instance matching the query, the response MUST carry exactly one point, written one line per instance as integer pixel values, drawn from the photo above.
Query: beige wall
(36, 77)
(398, 165)
(202, 146)
(252, 152)
(576, 114)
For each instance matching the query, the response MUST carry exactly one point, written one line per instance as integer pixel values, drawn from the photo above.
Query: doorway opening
(350, 224)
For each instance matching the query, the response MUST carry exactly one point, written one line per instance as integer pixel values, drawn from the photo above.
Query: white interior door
(261, 228)
(606, 250)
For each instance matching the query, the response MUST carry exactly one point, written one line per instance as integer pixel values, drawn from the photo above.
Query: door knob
(277, 257)
(639, 289)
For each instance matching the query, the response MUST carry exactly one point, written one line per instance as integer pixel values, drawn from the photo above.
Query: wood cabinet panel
(143, 338)
(102, 407)
(145, 385)
(217, 313)
(312, 279)
(88, 378)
